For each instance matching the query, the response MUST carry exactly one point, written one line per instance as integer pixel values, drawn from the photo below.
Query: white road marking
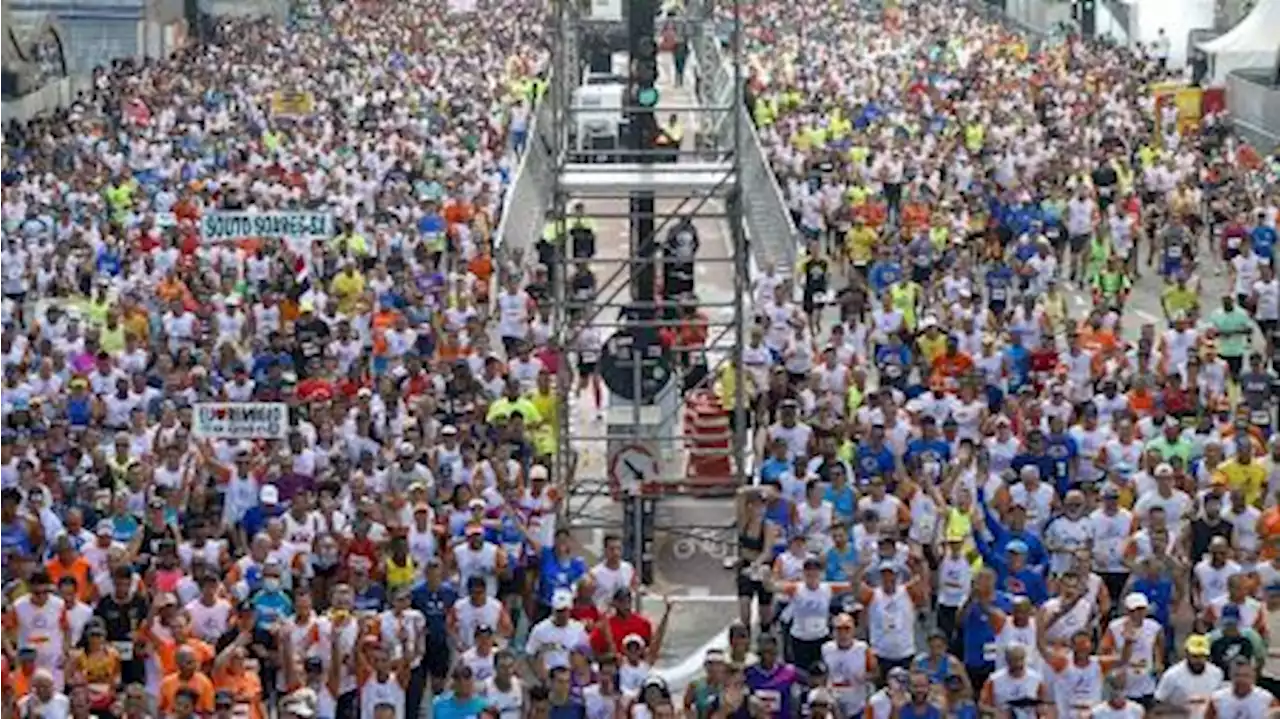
(679, 676)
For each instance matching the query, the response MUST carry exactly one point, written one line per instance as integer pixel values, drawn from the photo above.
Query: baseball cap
(269, 495)
(1198, 644)
(562, 599)
(1017, 546)
(1136, 600)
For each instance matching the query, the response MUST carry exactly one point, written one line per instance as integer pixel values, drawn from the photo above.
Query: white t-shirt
(555, 642)
(1181, 687)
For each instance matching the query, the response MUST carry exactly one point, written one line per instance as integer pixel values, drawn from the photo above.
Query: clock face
(634, 466)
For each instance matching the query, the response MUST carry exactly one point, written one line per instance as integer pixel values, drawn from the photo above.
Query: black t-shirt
(262, 647)
(1203, 532)
(151, 538)
(815, 276)
(1104, 178)
(1226, 650)
(121, 619)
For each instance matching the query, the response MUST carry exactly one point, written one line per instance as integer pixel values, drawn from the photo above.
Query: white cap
(1136, 600)
(269, 494)
(634, 639)
(562, 599)
(538, 471)
(1164, 469)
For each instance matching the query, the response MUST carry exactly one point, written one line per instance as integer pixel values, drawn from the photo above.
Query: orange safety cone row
(709, 441)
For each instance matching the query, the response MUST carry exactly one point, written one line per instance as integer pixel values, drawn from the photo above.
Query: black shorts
(920, 275)
(509, 345)
(1268, 327)
(798, 378)
(18, 297)
(1078, 242)
(748, 588)
(438, 659)
(586, 369)
(515, 585)
(1235, 365)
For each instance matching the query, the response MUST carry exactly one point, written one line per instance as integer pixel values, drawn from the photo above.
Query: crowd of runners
(973, 500)
(969, 500)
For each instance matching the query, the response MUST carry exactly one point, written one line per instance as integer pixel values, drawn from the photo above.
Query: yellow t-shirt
(932, 348)
(401, 575)
(1250, 478)
(347, 287)
(861, 245)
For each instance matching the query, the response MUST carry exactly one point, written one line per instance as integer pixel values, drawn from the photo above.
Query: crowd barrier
(1253, 99)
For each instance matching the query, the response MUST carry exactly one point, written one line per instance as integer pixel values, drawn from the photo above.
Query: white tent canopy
(1254, 42)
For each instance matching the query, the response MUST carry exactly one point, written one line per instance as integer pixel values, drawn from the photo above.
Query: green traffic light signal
(647, 97)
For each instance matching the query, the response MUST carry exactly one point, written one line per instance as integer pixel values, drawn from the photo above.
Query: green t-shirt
(1235, 330)
(1168, 450)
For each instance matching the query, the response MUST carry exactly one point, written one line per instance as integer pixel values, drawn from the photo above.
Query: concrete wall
(46, 99)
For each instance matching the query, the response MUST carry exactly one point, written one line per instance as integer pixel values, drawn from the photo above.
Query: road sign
(632, 465)
(633, 347)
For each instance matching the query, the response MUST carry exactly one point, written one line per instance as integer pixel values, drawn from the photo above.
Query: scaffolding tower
(673, 192)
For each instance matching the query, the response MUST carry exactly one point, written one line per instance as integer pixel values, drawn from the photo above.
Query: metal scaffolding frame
(689, 188)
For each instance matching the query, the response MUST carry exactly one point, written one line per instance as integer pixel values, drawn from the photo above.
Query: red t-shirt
(621, 628)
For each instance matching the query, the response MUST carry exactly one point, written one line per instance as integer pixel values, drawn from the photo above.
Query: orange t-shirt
(166, 651)
(246, 689)
(198, 682)
(1268, 529)
(78, 570)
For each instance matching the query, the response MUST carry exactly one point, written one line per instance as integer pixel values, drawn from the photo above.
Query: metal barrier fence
(1254, 103)
(772, 233)
(529, 194)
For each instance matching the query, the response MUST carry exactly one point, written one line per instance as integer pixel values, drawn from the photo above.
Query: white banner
(227, 226)
(241, 420)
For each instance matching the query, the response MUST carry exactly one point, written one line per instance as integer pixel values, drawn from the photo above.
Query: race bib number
(125, 650)
(1175, 252)
(1260, 417)
(997, 293)
(770, 699)
(812, 626)
(990, 652)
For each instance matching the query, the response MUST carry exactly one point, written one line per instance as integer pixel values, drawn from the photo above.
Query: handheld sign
(241, 420)
(290, 103)
(298, 228)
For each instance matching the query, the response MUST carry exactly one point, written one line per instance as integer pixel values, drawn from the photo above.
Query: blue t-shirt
(372, 599)
(843, 501)
(999, 280)
(556, 574)
(937, 450)
(841, 566)
(271, 607)
(910, 711)
(884, 274)
(434, 605)
(873, 462)
(978, 632)
(1264, 241)
(450, 706)
(1062, 450)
